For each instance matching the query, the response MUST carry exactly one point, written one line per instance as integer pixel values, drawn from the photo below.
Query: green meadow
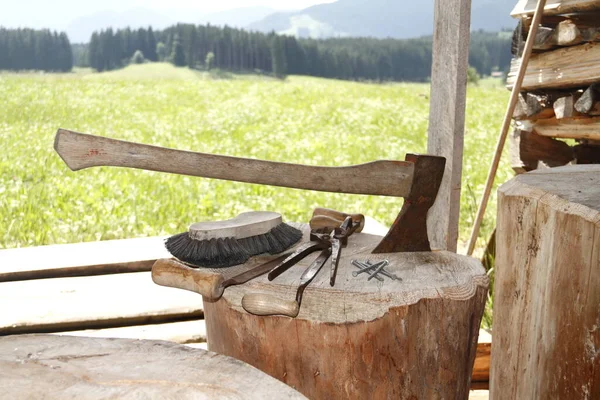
(300, 120)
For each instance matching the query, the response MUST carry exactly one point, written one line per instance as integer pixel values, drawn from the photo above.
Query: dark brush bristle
(225, 252)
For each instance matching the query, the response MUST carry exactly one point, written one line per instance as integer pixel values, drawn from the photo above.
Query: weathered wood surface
(547, 286)
(531, 148)
(185, 332)
(447, 115)
(54, 367)
(567, 67)
(50, 305)
(566, 33)
(589, 101)
(81, 259)
(569, 128)
(363, 339)
(555, 7)
(387, 178)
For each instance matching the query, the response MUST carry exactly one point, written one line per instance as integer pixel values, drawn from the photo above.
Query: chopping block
(414, 337)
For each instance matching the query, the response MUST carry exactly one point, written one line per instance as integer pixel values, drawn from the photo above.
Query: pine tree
(278, 57)
(178, 56)
(151, 44)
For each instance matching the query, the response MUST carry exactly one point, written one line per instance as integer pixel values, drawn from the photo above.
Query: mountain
(379, 18)
(237, 17)
(80, 29)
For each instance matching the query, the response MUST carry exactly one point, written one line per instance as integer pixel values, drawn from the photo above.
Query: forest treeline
(29, 49)
(206, 46)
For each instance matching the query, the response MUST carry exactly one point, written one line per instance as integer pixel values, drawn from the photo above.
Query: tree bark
(547, 286)
(409, 338)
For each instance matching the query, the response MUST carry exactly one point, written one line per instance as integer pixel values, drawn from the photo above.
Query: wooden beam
(555, 7)
(566, 67)
(62, 304)
(447, 115)
(184, 332)
(81, 259)
(569, 128)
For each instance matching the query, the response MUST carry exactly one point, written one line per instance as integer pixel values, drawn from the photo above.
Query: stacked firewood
(560, 96)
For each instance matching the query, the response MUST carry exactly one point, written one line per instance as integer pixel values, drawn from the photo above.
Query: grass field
(302, 120)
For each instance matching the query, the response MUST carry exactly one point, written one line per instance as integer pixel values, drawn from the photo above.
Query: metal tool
(330, 241)
(264, 304)
(334, 239)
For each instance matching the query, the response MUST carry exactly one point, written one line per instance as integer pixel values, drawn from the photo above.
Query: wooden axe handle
(386, 178)
(328, 218)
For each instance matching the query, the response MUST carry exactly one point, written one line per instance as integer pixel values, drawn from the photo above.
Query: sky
(57, 14)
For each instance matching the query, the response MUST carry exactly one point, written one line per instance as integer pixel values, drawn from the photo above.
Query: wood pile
(560, 97)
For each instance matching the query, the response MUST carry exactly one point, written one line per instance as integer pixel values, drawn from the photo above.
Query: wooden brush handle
(386, 178)
(171, 273)
(328, 218)
(266, 304)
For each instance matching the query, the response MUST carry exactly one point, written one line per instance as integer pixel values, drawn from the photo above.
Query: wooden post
(547, 286)
(412, 338)
(447, 115)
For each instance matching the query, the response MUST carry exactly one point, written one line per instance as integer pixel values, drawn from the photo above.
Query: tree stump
(55, 367)
(413, 338)
(547, 287)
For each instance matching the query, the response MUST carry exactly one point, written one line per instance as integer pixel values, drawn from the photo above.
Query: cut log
(555, 7)
(568, 34)
(551, 152)
(564, 107)
(408, 338)
(534, 106)
(567, 67)
(587, 154)
(589, 102)
(569, 128)
(519, 164)
(54, 367)
(547, 286)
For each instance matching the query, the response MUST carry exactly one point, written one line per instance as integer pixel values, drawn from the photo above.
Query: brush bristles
(225, 252)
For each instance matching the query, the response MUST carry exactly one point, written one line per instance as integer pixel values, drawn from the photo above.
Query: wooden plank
(53, 367)
(447, 115)
(554, 7)
(81, 259)
(50, 305)
(569, 128)
(566, 67)
(185, 332)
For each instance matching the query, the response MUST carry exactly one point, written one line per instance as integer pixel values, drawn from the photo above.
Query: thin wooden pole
(514, 95)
